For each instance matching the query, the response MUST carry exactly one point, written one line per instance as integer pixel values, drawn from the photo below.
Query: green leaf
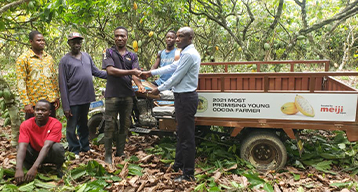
(45, 185)
(296, 177)
(268, 187)
(323, 166)
(1, 173)
(97, 185)
(9, 187)
(27, 187)
(341, 185)
(133, 158)
(254, 179)
(81, 188)
(134, 169)
(200, 187)
(300, 189)
(167, 161)
(9, 172)
(342, 145)
(78, 172)
(214, 189)
(46, 178)
(95, 169)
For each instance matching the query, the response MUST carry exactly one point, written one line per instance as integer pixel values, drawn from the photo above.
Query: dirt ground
(157, 176)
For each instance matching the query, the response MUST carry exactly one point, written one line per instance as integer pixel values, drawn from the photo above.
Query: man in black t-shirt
(122, 67)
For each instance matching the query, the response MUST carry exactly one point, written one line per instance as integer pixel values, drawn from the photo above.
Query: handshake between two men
(144, 75)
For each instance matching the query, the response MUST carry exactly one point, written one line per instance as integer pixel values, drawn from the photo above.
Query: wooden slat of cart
(318, 81)
(227, 83)
(305, 83)
(233, 82)
(258, 84)
(291, 83)
(252, 84)
(208, 83)
(214, 84)
(239, 83)
(284, 83)
(271, 82)
(202, 84)
(278, 85)
(298, 83)
(245, 83)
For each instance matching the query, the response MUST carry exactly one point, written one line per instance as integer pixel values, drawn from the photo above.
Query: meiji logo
(332, 109)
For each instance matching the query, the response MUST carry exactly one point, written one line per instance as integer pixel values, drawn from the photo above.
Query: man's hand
(31, 174)
(145, 75)
(57, 104)
(136, 72)
(68, 114)
(155, 91)
(19, 176)
(29, 109)
(141, 89)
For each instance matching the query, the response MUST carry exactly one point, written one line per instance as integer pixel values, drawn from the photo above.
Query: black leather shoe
(59, 173)
(182, 178)
(175, 168)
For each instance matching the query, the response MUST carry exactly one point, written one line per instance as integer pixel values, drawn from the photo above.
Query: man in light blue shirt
(184, 83)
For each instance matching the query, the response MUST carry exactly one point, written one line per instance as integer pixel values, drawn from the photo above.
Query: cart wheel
(264, 150)
(95, 125)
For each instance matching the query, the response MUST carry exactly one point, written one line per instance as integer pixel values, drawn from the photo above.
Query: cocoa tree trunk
(13, 112)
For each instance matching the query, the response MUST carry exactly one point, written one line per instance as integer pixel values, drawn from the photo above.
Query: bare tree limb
(13, 4)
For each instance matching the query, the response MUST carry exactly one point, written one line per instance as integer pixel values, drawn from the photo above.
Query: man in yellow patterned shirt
(37, 76)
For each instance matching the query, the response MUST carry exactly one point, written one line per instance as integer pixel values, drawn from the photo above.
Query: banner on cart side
(288, 106)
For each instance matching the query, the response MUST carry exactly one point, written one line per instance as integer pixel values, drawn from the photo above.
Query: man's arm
(122, 72)
(20, 157)
(166, 69)
(157, 61)
(21, 76)
(139, 84)
(43, 153)
(183, 66)
(64, 89)
(55, 83)
(96, 72)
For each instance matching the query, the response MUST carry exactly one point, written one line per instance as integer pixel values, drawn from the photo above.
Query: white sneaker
(92, 150)
(77, 156)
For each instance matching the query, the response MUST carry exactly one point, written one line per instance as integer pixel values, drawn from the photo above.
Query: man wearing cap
(76, 69)
(37, 77)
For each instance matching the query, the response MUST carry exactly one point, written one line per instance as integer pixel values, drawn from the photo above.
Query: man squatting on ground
(77, 92)
(184, 82)
(122, 66)
(39, 143)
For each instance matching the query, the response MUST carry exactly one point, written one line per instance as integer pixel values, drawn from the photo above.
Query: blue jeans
(114, 106)
(78, 122)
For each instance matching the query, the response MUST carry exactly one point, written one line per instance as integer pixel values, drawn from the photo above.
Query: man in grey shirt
(76, 69)
(184, 82)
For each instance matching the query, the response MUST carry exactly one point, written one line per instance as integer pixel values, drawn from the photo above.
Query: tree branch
(8, 6)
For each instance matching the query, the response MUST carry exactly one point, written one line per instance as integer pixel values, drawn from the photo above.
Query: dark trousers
(114, 106)
(53, 112)
(186, 105)
(78, 122)
(56, 155)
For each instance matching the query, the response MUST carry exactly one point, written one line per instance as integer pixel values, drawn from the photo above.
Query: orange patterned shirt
(36, 78)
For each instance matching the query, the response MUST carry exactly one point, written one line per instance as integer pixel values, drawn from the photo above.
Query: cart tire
(264, 150)
(93, 125)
